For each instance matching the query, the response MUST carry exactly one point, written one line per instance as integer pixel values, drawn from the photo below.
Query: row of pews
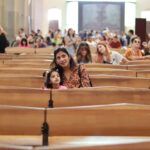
(112, 115)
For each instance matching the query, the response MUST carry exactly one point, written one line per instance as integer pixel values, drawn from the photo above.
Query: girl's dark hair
(88, 57)
(48, 83)
(24, 40)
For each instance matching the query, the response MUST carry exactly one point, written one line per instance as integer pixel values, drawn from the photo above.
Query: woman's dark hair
(68, 33)
(134, 38)
(24, 40)
(56, 66)
(64, 50)
(88, 57)
(48, 82)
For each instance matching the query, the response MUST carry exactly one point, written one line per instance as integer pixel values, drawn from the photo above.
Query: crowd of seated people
(132, 48)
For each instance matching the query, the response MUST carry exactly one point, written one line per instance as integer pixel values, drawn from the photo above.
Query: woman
(72, 75)
(134, 52)
(70, 42)
(104, 55)
(83, 55)
(3, 40)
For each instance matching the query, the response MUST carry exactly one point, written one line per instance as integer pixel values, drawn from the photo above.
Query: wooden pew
(119, 72)
(21, 80)
(47, 50)
(43, 65)
(15, 147)
(19, 50)
(97, 65)
(78, 143)
(108, 80)
(35, 81)
(98, 146)
(135, 62)
(17, 120)
(108, 120)
(144, 73)
(72, 97)
(139, 67)
(21, 70)
(92, 71)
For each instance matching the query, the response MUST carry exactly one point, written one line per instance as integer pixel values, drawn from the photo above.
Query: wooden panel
(16, 120)
(140, 28)
(73, 97)
(18, 50)
(124, 119)
(76, 142)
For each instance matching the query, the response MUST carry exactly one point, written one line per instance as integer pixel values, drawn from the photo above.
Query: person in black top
(3, 40)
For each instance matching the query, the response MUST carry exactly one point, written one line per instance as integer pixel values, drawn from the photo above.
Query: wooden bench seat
(139, 67)
(18, 50)
(91, 71)
(135, 62)
(97, 65)
(35, 81)
(119, 119)
(76, 142)
(144, 73)
(72, 97)
(98, 120)
(99, 80)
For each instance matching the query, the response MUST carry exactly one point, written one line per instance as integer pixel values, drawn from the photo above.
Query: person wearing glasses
(134, 52)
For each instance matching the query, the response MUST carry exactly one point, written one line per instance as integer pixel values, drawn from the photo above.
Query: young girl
(53, 80)
(83, 55)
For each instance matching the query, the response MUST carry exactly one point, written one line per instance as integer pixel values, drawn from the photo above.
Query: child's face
(55, 78)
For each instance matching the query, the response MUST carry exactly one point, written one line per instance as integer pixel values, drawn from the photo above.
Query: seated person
(83, 54)
(134, 52)
(104, 55)
(52, 80)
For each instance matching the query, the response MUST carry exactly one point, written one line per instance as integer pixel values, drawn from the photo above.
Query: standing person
(83, 55)
(70, 42)
(3, 40)
(73, 76)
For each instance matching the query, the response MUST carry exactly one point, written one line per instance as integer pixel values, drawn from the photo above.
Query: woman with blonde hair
(104, 55)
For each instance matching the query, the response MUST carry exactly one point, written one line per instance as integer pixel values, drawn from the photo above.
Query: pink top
(61, 87)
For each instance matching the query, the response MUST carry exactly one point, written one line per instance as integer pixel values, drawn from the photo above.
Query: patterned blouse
(75, 81)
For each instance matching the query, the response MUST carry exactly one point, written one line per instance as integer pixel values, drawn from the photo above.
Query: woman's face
(136, 43)
(55, 78)
(62, 59)
(101, 48)
(83, 51)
